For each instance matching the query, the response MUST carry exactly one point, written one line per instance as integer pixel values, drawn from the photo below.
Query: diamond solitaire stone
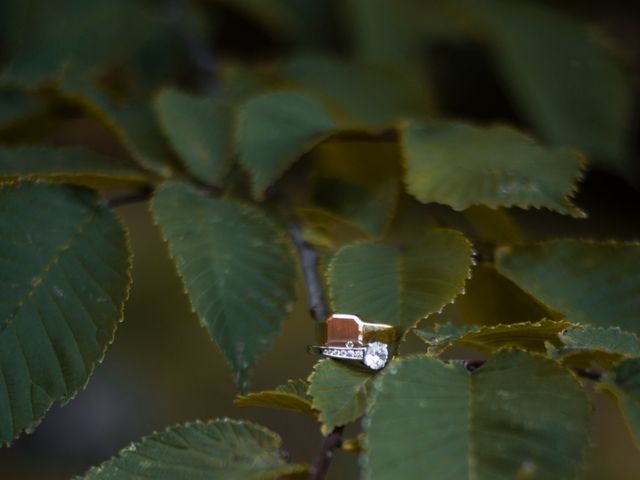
(376, 355)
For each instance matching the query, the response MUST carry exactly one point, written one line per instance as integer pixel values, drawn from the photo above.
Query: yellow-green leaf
(528, 336)
(64, 267)
(237, 267)
(595, 283)
(275, 129)
(517, 416)
(290, 396)
(399, 286)
(462, 165)
(71, 165)
(583, 345)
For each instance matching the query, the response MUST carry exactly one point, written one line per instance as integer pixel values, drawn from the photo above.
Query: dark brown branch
(319, 310)
(329, 444)
(309, 258)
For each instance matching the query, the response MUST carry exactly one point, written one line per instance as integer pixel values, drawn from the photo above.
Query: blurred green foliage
(440, 158)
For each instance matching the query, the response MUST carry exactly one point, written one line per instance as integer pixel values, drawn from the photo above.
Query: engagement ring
(348, 337)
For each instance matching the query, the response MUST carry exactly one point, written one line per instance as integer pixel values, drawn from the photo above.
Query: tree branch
(329, 444)
(319, 310)
(318, 307)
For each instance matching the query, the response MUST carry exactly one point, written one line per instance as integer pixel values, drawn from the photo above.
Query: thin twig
(309, 258)
(319, 310)
(329, 444)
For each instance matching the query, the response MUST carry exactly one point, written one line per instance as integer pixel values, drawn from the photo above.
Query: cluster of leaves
(368, 143)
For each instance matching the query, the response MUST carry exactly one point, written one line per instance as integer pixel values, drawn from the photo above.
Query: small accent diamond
(376, 355)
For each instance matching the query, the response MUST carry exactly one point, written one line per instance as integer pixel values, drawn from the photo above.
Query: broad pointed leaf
(589, 282)
(71, 165)
(388, 284)
(65, 279)
(200, 131)
(237, 268)
(517, 416)
(216, 450)
(368, 96)
(341, 393)
(462, 165)
(528, 336)
(275, 129)
(290, 396)
(624, 384)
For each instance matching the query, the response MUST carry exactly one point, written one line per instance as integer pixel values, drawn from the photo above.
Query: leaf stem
(329, 444)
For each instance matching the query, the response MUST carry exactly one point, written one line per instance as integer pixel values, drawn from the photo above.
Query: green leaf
(65, 280)
(341, 393)
(462, 165)
(70, 165)
(580, 346)
(275, 129)
(517, 416)
(625, 386)
(136, 128)
(215, 450)
(290, 396)
(387, 284)
(564, 77)
(45, 38)
(367, 95)
(595, 283)
(237, 267)
(527, 335)
(199, 129)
